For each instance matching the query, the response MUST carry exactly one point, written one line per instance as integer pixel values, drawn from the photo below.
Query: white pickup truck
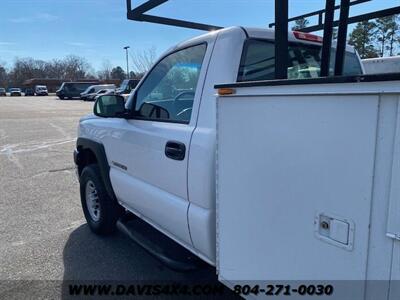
(155, 155)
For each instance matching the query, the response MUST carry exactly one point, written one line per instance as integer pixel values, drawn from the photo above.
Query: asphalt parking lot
(43, 234)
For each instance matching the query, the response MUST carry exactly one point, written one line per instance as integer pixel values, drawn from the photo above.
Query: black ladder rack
(326, 23)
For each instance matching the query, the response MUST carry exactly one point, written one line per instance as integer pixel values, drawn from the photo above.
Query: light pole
(127, 62)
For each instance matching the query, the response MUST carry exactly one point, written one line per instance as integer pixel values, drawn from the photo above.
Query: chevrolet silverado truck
(154, 155)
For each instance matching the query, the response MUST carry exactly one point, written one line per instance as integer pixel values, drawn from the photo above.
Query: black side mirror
(109, 106)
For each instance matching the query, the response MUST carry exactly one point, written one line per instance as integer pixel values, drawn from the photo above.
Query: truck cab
(127, 86)
(155, 154)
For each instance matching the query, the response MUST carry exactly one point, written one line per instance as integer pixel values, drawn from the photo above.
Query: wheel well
(86, 157)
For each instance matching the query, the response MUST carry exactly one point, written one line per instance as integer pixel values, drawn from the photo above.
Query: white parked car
(155, 155)
(92, 90)
(15, 92)
(41, 90)
(102, 92)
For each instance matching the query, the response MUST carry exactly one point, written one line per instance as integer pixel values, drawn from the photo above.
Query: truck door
(148, 155)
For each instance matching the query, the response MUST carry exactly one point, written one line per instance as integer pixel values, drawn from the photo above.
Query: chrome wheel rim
(92, 201)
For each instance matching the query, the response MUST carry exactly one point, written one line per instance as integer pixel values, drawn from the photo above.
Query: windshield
(258, 61)
(15, 89)
(89, 90)
(124, 84)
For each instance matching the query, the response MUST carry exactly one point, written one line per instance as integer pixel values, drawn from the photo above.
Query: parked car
(3, 92)
(41, 90)
(72, 90)
(104, 92)
(92, 90)
(127, 86)
(15, 92)
(29, 92)
(170, 125)
(93, 97)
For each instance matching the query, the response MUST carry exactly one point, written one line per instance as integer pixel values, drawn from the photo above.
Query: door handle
(175, 150)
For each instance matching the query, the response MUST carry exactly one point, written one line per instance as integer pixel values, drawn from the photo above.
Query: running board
(170, 253)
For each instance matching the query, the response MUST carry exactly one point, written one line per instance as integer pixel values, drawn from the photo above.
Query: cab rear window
(258, 61)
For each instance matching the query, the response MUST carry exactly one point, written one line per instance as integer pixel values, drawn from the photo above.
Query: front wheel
(101, 212)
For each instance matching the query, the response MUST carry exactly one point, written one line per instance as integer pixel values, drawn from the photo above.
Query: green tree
(300, 24)
(362, 39)
(394, 35)
(386, 34)
(118, 73)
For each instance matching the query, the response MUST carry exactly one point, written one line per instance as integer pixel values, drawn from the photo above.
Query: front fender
(85, 146)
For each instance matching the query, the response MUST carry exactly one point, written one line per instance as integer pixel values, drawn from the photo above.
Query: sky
(98, 29)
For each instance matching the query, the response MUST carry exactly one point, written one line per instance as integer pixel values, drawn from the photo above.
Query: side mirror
(109, 106)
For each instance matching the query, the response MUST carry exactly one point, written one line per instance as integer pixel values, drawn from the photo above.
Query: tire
(108, 210)
(61, 97)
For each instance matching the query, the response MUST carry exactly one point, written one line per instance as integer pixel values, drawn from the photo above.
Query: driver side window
(168, 91)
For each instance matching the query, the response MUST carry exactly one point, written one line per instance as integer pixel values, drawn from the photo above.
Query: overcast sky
(98, 29)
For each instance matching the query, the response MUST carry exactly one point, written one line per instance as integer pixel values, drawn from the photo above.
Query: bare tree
(71, 67)
(105, 72)
(55, 69)
(3, 75)
(76, 67)
(143, 60)
(25, 68)
(384, 30)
